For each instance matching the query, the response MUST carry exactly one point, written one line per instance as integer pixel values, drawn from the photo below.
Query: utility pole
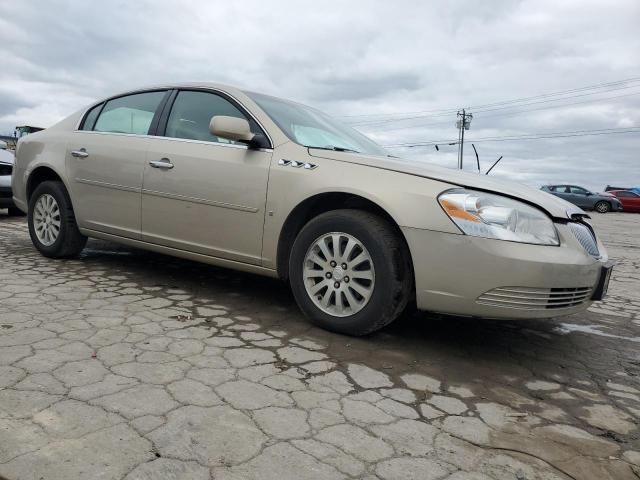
(463, 124)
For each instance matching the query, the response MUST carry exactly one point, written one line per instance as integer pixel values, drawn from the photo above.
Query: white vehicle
(6, 169)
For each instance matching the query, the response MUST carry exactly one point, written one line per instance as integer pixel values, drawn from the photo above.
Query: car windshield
(312, 128)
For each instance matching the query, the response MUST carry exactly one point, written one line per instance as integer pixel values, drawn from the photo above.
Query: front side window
(130, 114)
(192, 112)
(578, 191)
(312, 128)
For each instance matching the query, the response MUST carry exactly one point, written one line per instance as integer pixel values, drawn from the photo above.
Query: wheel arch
(320, 203)
(41, 174)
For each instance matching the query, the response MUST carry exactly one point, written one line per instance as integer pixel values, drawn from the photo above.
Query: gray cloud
(350, 58)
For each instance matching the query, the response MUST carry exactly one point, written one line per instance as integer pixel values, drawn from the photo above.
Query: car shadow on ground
(466, 347)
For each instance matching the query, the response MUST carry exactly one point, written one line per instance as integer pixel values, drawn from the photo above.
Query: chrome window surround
(209, 89)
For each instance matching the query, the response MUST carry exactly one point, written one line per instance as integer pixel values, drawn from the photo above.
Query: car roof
(202, 84)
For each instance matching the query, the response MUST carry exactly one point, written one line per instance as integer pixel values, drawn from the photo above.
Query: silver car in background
(252, 182)
(583, 198)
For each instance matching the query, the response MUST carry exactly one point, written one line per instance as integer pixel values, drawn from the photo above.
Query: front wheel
(602, 207)
(350, 272)
(52, 223)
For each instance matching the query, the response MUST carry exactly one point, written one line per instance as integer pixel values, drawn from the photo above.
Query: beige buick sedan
(252, 182)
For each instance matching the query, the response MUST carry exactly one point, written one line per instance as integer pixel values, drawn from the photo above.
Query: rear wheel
(349, 272)
(602, 207)
(52, 223)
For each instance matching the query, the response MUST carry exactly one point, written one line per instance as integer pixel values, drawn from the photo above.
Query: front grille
(526, 298)
(586, 237)
(5, 169)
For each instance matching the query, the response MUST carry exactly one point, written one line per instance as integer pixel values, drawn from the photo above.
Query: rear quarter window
(90, 118)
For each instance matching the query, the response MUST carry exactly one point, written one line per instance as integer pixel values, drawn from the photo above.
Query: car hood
(554, 206)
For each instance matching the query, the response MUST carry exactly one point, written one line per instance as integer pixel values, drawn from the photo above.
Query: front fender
(409, 200)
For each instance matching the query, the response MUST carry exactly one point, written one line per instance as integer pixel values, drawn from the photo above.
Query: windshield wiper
(335, 149)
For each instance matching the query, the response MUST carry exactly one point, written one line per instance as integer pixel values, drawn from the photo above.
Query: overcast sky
(357, 58)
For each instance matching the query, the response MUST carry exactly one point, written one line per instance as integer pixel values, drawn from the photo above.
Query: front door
(202, 193)
(105, 163)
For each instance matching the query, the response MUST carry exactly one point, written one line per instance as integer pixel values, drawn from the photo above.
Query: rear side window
(192, 111)
(130, 114)
(90, 118)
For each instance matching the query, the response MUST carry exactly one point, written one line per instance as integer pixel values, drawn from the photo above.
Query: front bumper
(471, 276)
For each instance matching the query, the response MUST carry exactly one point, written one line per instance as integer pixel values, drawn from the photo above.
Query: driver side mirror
(588, 194)
(237, 130)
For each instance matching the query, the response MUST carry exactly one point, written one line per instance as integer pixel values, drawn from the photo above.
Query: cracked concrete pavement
(131, 365)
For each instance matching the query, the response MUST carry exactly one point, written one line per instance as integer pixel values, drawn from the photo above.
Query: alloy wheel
(338, 273)
(46, 219)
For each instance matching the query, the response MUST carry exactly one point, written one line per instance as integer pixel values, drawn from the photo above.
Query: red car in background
(630, 200)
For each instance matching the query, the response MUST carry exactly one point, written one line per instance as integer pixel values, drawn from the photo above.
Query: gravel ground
(127, 364)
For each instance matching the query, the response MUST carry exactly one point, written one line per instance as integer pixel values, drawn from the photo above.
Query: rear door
(105, 162)
(202, 193)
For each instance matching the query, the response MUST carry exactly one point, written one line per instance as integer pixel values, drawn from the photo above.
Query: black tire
(602, 207)
(70, 241)
(15, 212)
(392, 264)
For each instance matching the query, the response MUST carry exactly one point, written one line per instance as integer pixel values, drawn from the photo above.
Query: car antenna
(477, 157)
(496, 162)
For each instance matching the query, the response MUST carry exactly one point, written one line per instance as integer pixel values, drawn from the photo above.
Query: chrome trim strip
(213, 203)
(174, 139)
(113, 186)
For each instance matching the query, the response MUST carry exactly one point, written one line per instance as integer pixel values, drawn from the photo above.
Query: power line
(507, 114)
(480, 110)
(532, 136)
(516, 100)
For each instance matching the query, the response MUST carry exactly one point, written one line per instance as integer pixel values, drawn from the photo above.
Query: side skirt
(197, 257)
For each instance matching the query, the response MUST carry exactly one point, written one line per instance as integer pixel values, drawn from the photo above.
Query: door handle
(82, 153)
(162, 163)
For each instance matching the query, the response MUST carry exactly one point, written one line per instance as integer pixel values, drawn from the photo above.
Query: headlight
(493, 216)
